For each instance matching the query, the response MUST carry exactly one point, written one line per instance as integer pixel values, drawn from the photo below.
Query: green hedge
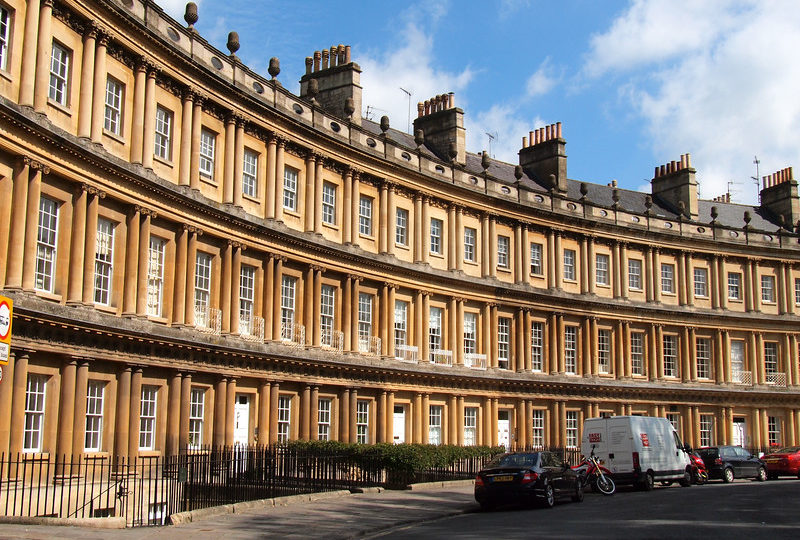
(399, 458)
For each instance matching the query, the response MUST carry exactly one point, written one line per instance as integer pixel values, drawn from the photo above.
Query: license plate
(507, 478)
(771, 460)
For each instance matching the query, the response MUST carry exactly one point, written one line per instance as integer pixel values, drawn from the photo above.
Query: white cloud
(176, 8)
(724, 96)
(543, 79)
(410, 65)
(504, 122)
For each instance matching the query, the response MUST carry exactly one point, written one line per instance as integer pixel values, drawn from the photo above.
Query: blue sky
(635, 83)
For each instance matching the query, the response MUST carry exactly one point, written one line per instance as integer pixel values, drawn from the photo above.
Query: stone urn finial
(615, 197)
(648, 204)
(518, 173)
(584, 190)
(485, 162)
(233, 42)
(452, 151)
(190, 16)
(313, 90)
(714, 214)
(419, 137)
(274, 67)
(747, 219)
(384, 124)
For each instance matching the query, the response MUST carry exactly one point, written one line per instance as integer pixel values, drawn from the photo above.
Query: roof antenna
(755, 178)
(492, 136)
(408, 95)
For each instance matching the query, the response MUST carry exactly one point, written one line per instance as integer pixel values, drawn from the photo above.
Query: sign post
(6, 314)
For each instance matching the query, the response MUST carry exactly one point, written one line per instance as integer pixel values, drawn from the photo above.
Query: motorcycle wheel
(605, 485)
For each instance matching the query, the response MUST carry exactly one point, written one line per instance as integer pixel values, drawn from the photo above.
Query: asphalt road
(744, 509)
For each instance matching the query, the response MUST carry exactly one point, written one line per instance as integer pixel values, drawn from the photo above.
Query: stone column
(228, 159)
(726, 355)
(426, 418)
(793, 360)
(682, 290)
(197, 132)
(748, 286)
(518, 258)
(417, 231)
(426, 327)
(356, 197)
(270, 183)
(353, 410)
(123, 419)
(17, 226)
(185, 401)
(18, 400)
(594, 345)
(31, 227)
(656, 275)
(220, 410)
(318, 181)
(226, 286)
(527, 342)
(87, 73)
(185, 157)
(723, 283)
(458, 239)
(626, 350)
(586, 347)
(236, 272)
(279, 177)
(344, 415)
(238, 161)
(347, 206)
(558, 258)
(522, 427)
(66, 407)
(313, 430)
(310, 192)
(29, 46)
(137, 118)
(274, 396)
(230, 415)
(652, 353)
(98, 97)
(276, 298)
(173, 415)
(389, 320)
(135, 411)
(44, 53)
(452, 238)
(389, 421)
(380, 418)
(660, 351)
(90, 246)
(622, 269)
(305, 413)
(553, 343)
(492, 241)
(417, 423)
(131, 261)
(179, 303)
(79, 420)
(425, 235)
(312, 329)
(148, 139)
(519, 345)
(648, 275)
(6, 397)
(383, 218)
(451, 328)
(77, 252)
(144, 256)
(263, 413)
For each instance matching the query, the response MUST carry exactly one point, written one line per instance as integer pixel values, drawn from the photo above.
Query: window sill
(568, 280)
(107, 309)
(114, 136)
(95, 455)
(35, 456)
(364, 236)
(149, 453)
(603, 285)
(735, 300)
(48, 295)
(6, 75)
(537, 275)
(62, 108)
(162, 320)
(165, 162)
(208, 180)
(291, 212)
(668, 293)
(404, 247)
(331, 226)
(504, 269)
(251, 198)
(471, 263)
(436, 255)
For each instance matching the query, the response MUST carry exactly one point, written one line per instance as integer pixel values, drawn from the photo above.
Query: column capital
(192, 229)
(235, 244)
(317, 268)
(390, 285)
(90, 30)
(355, 277)
(36, 165)
(145, 211)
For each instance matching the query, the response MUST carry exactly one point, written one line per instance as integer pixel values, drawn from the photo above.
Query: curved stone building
(197, 256)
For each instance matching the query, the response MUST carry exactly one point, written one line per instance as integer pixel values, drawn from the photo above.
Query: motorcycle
(592, 473)
(698, 469)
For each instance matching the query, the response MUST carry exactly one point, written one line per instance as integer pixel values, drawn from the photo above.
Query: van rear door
(619, 445)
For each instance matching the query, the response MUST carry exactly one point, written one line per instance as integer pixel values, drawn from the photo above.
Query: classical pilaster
(263, 413)
(279, 177)
(269, 196)
(186, 393)
(197, 131)
(425, 247)
(230, 415)
(134, 412)
(99, 90)
(220, 411)
(417, 245)
(309, 210)
(123, 419)
(87, 74)
(228, 159)
(383, 218)
(185, 157)
(44, 52)
(276, 297)
(31, 226)
(148, 139)
(90, 244)
(77, 251)
(238, 161)
(274, 396)
(492, 241)
(173, 414)
(144, 252)
(66, 407)
(17, 226)
(29, 45)
(181, 303)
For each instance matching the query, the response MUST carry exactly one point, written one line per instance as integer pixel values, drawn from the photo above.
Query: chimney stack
(780, 197)
(339, 78)
(674, 183)
(543, 157)
(443, 125)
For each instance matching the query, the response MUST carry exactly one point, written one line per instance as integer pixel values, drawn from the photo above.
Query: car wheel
(648, 483)
(686, 481)
(549, 499)
(762, 474)
(727, 475)
(578, 497)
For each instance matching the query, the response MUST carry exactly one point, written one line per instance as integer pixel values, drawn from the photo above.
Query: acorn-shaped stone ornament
(190, 16)
(233, 42)
(274, 67)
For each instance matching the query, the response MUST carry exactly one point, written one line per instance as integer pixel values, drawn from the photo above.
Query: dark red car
(783, 462)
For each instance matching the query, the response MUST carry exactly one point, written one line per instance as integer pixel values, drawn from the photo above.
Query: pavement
(348, 515)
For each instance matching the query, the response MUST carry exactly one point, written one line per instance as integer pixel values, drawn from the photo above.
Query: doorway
(241, 419)
(399, 425)
(739, 434)
(503, 429)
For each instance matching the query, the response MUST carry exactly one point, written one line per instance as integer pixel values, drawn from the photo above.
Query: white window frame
(770, 357)
(155, 276)
(103, 261)
(734, 286)
(284, 418)
(147, 417)
(537, 346)
(470, 426)
(436, 236)
(202, 288)
(797, 291)
(162, 142)
(774, 430)
(327, 307)
(637, 353)
(401, 227)
(435, 413)
(47, 244)
(288, 295)
(247, 290)
(604, 350)
(706, 429)
(328, 203)
(571, 428)
(570, 349)
(670, 345)
(197, 402)
(503, 251)
(635, 274)
(601, 267)
(470, 240)
(365, 215)
(537, 428)
(208, 148)
(569, 264)
(701, 282)
(290, 189)
(5, 33)
(537, 251)
(250, 173)
(504, 342)
(362, 421)
(703, 355)
(400, 324)
(435, 321)
(364, 320)
(470, 333)
(93, 433)
(35, 399)
(768, 289)
(112, 117)
(668, 278)
(60, 59)
(324, 419)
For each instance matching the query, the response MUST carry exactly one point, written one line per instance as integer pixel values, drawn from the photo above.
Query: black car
(526, 477)
(730, 462)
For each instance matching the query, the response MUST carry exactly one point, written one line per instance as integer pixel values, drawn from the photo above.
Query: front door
(241, 419)
(399, 425)
(739, 432)
(503, 429)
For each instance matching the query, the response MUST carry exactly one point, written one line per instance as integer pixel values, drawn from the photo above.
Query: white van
(638, 449)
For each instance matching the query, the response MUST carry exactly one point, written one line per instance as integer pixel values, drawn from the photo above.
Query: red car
(783, 462)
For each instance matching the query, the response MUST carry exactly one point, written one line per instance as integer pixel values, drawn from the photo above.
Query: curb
(182, 518)
(438, 485)
(90, 523)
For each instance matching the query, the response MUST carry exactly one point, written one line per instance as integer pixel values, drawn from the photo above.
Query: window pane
(46, 244)
(250, 173)
(113, 109)
(289, 189)
(103, 261)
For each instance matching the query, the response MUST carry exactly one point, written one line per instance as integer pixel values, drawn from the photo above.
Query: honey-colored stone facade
(197, 256)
